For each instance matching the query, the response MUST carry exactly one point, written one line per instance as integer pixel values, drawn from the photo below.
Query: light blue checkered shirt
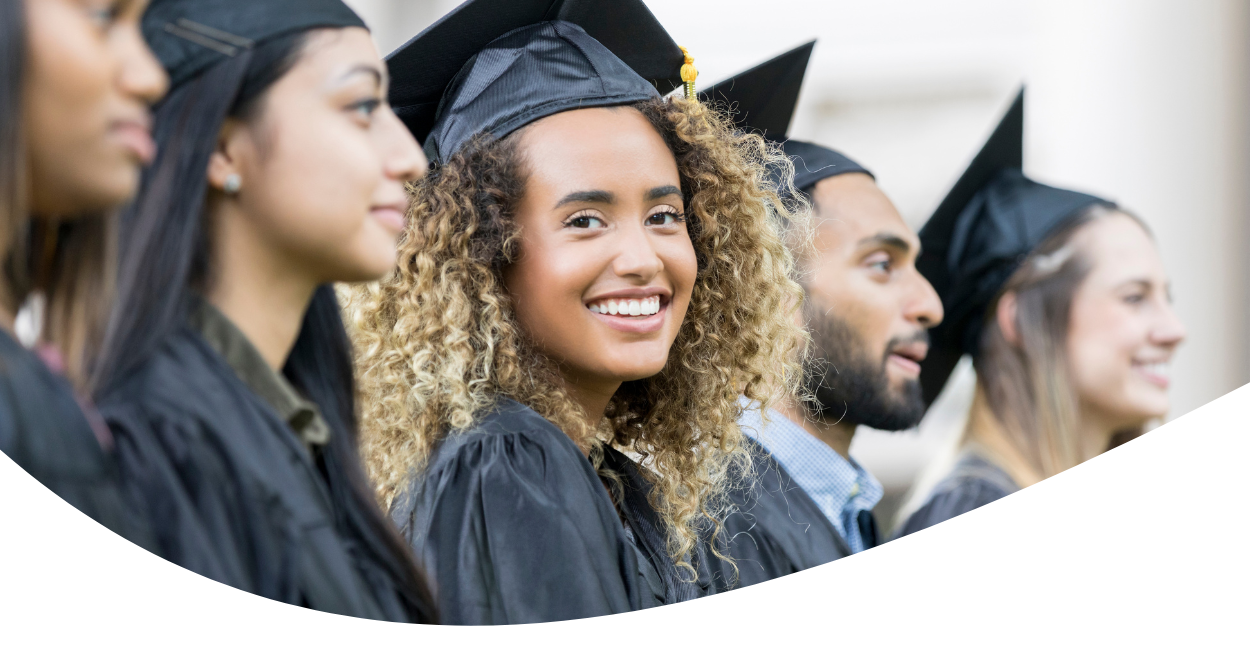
(841, 488)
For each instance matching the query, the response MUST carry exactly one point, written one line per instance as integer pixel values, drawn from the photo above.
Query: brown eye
(662, 219)
(584, 222)
(366, 108)
(103, 17)
(880, 262)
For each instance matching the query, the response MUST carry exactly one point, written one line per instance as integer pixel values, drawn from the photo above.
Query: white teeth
(631, 307)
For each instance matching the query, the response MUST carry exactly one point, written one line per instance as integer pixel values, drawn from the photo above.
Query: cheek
(69, 71)
(547, 285)
(682, 265)
(869, 308)
(1101, 345)
(68, 90)
(318, 191)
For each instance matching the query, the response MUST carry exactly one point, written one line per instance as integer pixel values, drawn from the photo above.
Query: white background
(1132, 550)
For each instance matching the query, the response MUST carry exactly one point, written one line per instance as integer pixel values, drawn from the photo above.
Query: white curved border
(1144, 547)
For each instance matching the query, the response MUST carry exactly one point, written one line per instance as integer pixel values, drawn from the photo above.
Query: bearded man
(868, 311)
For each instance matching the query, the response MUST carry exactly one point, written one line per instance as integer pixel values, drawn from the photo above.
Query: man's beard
(849, 385)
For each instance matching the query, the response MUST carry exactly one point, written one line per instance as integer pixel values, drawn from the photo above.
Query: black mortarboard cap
(189, 36)
(987, 225)
(497, 65)
(763, 100)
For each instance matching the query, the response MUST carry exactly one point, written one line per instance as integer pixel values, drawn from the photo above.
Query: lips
(907, 357)
(136, 137)
(636, 310)
(1157, 373)
(391, 217)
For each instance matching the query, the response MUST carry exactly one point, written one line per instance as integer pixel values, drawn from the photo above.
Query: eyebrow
(886, 240)
(366, 69)
(662, 191)
(605, 197)
(587, 196)
(1142, 281)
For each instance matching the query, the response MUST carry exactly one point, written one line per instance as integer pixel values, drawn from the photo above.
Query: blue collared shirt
(840, 487)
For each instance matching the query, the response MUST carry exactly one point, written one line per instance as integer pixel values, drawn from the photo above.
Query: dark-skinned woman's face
(90, 79)
(606, 267)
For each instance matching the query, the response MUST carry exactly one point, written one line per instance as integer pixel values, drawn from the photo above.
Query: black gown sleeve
(512, 529)
(231, 492)
(964, 495)
(198, 517)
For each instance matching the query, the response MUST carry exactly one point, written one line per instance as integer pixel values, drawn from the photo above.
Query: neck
(264, 294)
(592, 397)
(835, 435)
(988, 435)
(1096, 433)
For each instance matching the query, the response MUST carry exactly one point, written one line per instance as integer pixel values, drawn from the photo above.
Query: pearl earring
(232, 185)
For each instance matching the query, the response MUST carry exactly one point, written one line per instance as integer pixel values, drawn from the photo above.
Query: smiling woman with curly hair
(551, 378)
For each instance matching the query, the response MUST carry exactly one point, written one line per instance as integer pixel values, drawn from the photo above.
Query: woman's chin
(376, 265)
(1141, 410)
(636, 372)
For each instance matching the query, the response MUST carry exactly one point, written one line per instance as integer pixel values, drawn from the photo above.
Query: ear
(225, 159)
(1005, 314)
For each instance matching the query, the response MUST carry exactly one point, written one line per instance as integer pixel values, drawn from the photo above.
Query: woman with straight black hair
(76, 81)
(226, 372)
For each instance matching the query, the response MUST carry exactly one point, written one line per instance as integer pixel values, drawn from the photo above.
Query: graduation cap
(190, 36)
(497, 65)
(763, 99)
(987, 225)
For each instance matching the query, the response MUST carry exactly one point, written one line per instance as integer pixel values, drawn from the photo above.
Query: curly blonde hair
(438, 341)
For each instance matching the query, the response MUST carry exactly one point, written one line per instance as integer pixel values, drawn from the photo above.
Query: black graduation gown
(513, 525)
(974, 482)
(43, 429)
(232, 492)
(776, 528)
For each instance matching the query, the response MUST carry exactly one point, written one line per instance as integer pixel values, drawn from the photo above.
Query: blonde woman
(590, 276)
(1063, 303)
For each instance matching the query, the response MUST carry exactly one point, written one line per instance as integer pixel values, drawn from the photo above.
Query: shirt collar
(840, 487)
(248, 364)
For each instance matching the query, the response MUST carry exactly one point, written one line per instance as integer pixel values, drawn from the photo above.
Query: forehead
(850, 207)
(597, 148)
(334, 51)
(1119, 250)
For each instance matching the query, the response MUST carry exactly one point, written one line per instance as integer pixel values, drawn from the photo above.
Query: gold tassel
(688, 74)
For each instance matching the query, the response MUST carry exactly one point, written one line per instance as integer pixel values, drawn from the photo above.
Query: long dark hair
(165, 252)
(70, 261)
(12, 154)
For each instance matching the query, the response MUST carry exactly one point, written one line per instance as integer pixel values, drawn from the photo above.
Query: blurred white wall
(1142, 101)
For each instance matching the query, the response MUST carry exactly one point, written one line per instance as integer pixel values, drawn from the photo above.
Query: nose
(404, 160)
(1169, 331)
(142, 76)
(635, 256)
(923, 305)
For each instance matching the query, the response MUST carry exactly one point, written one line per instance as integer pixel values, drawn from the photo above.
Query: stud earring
(232, 185)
